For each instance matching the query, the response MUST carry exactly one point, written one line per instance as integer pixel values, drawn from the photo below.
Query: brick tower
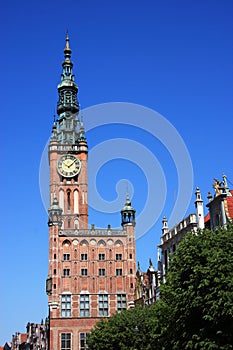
(91, 271)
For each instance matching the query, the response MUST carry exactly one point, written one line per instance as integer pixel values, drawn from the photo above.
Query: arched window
(101, 243)
(68, 200)
(76, 207)
(61, 199)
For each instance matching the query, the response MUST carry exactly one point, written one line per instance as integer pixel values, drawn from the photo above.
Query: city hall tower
(91, 272)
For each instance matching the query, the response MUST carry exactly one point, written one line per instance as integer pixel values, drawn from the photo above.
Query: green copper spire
(67, 89)
(68, 128)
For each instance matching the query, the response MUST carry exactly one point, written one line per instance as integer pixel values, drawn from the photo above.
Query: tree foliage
(195, 310)
(128, 330)
(199, 291)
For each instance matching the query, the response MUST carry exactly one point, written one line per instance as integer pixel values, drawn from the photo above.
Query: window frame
(121, 302)
(84, 272)
(119, 272)
(102, 272)
(66, 257)
(118, 257)
(66, 305)
(84, 305)
(83, 257)
(103, 305)
(66, 272)
(66, 343)
(101, 256)
(83, 341)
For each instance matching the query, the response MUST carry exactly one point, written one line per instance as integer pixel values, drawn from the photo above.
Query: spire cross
(67, 50)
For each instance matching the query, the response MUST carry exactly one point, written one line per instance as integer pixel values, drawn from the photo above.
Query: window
(83, 257)
(103, 305)
(118, 256)
(101, 272)
(83, 344)
(84, 305)
(66, 272)
(101, 256)
(83, 272)
(66, 305)
(119, 272)
(66, 257)
(54, 271)
(68, 200)
(130, 256)
(121, 302)
(68, 223)
(131, 271)
(65, 341)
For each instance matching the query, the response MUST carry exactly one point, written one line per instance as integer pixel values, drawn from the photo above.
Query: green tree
(199, 292)
(129, 330)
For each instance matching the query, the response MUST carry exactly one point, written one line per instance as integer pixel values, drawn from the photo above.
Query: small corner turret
(128, 213)
(54, 212)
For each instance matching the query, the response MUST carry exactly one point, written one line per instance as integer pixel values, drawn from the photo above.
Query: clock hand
(66, 164)
(71, 163)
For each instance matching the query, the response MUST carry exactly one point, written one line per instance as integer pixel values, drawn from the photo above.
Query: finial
(67, 40)
(198, 195)
(225, 185)
(165, 225)
(67, 50)
(209, 197)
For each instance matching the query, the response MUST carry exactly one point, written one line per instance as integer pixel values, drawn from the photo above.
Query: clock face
(68, 165)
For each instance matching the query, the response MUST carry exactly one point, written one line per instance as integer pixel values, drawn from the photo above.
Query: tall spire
(67, 89)
(67, 107)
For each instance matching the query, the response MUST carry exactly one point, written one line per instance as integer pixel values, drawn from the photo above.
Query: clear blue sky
(175, 57)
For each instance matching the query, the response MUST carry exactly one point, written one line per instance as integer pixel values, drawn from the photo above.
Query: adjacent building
(220, 214)
(220, 205)
(35, 338)
(147, 285)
